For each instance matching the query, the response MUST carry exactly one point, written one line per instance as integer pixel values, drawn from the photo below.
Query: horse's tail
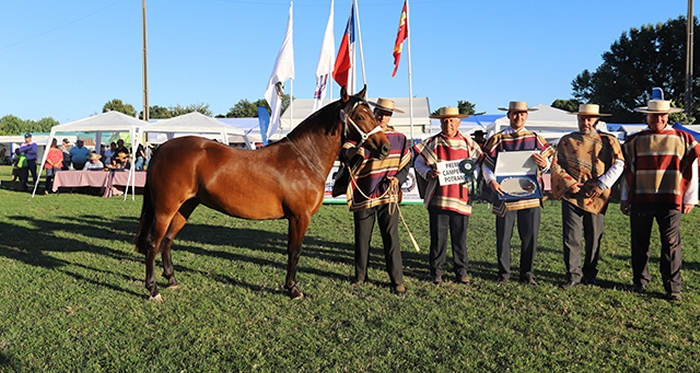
(148, 214)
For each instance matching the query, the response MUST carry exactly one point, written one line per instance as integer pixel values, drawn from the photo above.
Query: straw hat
(449, 112)
(591, 110)
(518, 106)
(94, 156)
(658, 107)
(386, 105)
(121, 156)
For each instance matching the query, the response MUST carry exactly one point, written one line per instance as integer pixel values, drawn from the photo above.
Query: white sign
(453, 172)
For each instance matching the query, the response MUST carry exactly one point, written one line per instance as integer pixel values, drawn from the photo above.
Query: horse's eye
(361, 117)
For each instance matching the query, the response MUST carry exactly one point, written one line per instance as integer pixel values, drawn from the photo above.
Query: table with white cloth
(109, 181)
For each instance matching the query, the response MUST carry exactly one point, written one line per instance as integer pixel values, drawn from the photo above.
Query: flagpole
(359, 36)
(410, 75)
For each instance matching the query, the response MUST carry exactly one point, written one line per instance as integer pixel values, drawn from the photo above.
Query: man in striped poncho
(374, 194)
(527, 211)
(448, 205)
(661, 182)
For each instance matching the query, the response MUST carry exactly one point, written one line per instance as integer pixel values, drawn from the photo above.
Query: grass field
(72, 299)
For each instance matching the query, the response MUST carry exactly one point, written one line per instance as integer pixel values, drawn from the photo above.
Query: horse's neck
(318, 146)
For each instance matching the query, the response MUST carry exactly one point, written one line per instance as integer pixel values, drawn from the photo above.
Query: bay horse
(283, 180)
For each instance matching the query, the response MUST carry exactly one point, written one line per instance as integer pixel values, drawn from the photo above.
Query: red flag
(400, 37)
(343, 62)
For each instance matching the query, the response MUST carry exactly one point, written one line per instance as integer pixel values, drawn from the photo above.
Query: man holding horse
(373, 193)
(448, 205)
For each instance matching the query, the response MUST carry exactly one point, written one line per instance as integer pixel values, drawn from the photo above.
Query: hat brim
(645, 109)
(380, 107)
(528, 109)
(449, 116)
(591, 114)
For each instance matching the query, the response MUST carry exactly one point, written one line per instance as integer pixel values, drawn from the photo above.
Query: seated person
(94, 163)
(120, 161)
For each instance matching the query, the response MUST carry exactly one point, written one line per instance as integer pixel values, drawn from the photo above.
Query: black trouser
(578, 225)
(389, 228)
(528, 228)
(440, 222)
(669, 221)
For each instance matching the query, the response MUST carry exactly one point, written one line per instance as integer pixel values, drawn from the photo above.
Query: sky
(66, 59)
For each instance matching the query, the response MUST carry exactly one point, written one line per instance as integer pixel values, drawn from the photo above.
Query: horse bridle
(363, 135)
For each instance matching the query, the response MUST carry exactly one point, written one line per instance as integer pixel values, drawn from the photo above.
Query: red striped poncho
(372, 174)
(658, 165)
(453, 197)
(514, 141)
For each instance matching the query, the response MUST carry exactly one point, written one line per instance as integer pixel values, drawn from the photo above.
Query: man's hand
(433, 173)
(575, 188)
(496, 187)
(687, 208)
(393, 182)
(539, 159)
(625, 207)
(593, 190)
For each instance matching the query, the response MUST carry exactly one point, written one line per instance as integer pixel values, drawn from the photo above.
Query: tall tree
(646, 57)
(11, 125)
(246, 109)
(178, 110)
(117, 105)
(159, 112)
(568, 105)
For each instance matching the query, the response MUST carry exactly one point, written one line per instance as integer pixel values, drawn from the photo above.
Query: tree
(465, 107)
(651, 56)
(118, 105)
(246, 109)
(568, 105)
(158, 112)
(12, 126)
(178, 110)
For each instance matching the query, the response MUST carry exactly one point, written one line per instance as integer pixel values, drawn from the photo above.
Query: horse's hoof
(173, 286)
(298, 296)
(157, 298)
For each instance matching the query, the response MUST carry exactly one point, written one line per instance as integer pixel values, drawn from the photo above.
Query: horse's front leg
(297, 230)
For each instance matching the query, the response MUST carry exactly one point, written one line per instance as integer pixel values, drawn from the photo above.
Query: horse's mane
(326, 119)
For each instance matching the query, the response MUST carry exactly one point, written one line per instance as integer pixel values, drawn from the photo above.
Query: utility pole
(689, 61)
(145, 64)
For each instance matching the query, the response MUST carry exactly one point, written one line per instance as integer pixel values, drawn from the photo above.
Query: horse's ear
(363, 92)
(344, 94)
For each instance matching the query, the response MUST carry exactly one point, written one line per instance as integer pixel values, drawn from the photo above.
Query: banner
(325, 63)
(400, 37)
(282, 71)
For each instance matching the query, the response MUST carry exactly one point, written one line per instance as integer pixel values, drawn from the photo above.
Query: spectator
(54, 162)
(29, 149)
(79, 155)
(94, 163)
(65, 148)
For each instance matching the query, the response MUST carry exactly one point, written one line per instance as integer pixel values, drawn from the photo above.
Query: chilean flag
(343, 63)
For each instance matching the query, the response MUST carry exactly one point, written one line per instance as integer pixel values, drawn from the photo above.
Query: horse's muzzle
(383, 151)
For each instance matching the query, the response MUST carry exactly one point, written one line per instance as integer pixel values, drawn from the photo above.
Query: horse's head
(360, 124)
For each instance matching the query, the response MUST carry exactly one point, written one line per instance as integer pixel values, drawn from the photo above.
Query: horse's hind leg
(297, 230)
(179, 221)
(160, 227)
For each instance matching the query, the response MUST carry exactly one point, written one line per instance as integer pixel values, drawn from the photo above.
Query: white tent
(109, 122)
(194, 123)
(550, 123)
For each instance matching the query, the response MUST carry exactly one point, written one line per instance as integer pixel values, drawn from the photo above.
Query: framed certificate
(517, 173)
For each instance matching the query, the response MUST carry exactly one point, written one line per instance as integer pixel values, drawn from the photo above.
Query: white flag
(283, 71)
(325, 63)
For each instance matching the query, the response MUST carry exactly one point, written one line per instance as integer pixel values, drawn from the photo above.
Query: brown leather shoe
(437, 280)
(398, 289)
(673, 297)
(463, 279)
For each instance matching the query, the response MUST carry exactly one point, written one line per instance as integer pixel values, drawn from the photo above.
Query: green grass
(72, 299)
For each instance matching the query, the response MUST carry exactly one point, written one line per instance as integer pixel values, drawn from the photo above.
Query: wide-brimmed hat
(94, 156)
(121, 155)
(591, 110)
(449, 112)
(658, 107)
(518, 106)
(386, 105)
(478, 132)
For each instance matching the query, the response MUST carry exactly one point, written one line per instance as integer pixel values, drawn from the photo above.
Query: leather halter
(363, 135)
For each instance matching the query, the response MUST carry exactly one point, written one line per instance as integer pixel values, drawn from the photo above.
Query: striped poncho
(372, 174)
(508, 141)
(658, 165)
(582, 157)
(453, 197)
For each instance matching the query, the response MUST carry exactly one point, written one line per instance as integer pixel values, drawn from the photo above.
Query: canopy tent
(468, 126)
(194, 123)
(693, 132)
(401, 122)
(8, 144)
(109, 122)
(251, 137)
(550, 123)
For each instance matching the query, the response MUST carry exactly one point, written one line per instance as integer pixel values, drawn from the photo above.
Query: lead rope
(393, 205)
